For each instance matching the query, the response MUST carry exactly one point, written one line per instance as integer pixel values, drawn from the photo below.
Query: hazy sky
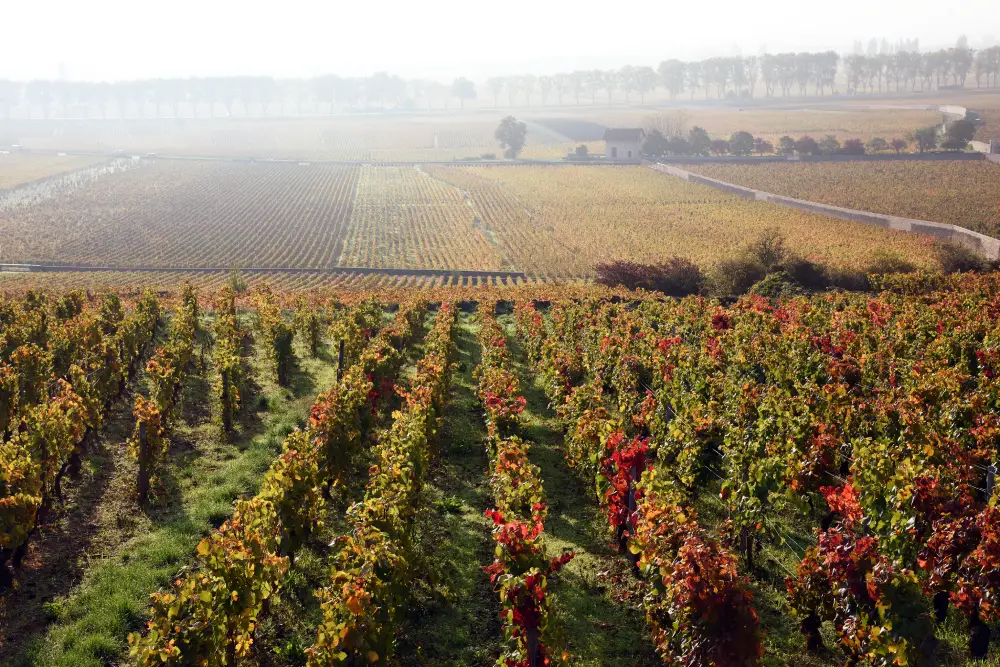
(115, 39)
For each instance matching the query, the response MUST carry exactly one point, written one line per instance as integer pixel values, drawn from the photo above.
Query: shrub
(720, 146)
(829, 145)
(655, 145)
(877, 145)
(674, 277)
(925, 138)
(808, 274)
(678, 146)
(762, 146)
(768, 249)
(735, 276)
(806, 146)
(741, 143)
(699, 141)
(776, 286)
(885, 261)
(853, 147)
(849, 279)
(956, 258)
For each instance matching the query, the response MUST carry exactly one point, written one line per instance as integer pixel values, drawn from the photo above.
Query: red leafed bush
(843, 501)
(698, 607)
(878, 611)
(978, 590)
(622, 458)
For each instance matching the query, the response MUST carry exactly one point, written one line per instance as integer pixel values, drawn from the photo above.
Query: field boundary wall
(986, 246)
(346, 270)
(886, 157)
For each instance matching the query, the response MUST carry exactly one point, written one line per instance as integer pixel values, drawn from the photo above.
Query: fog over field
(114, 39)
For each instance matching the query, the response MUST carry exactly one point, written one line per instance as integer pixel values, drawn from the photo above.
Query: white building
(623, 144)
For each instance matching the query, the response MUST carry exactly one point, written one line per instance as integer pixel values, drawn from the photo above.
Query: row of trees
(697, 142)
(782, 74)
(943, 68)
(247, 95)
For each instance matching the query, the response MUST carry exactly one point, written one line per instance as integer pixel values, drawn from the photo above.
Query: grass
(453, 617)
(207, 473)
(598, 599)
(288, 623)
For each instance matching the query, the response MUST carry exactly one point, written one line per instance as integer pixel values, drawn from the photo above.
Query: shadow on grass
(72, 531)
(61, 545)
(89, 625)
(453, 618)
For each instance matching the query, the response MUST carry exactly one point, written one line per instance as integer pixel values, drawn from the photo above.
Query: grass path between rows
(599, 601)
(288, 624)
(453, 619)
(204, 476)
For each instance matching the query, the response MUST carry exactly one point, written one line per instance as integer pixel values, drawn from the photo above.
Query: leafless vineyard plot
(525, 242)
(189, 215)
(404, 218)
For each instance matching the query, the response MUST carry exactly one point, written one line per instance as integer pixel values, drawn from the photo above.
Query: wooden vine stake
(142, 484)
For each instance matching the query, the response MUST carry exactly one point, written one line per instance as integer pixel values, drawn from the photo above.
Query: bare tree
(496, 85)
(672, 76)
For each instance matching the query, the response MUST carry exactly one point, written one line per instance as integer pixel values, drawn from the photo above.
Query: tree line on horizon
(884, 70)
(669, 135)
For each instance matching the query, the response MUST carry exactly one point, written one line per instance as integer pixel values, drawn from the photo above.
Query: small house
(623, 144)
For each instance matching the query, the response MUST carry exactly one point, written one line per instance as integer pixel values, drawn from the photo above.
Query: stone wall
(985, 246)
(881, 157)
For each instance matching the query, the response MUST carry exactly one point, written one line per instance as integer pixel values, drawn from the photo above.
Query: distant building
(623, 144)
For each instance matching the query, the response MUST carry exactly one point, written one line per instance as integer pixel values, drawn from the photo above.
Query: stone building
(623, 144)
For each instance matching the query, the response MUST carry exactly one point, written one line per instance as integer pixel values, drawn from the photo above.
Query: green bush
(809, 275)
(732, 277)
(674, 277)
(776, 286)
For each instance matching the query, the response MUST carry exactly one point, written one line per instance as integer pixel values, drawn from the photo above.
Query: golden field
(957, 192)
(561, 221)
(20, 168)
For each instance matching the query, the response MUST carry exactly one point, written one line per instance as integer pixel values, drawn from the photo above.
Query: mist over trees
(229, 96)
(880, 67)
